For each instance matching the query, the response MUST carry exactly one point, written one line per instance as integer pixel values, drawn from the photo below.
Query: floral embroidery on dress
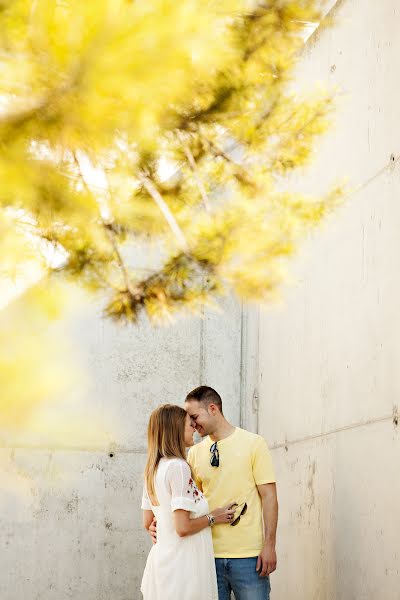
(194, 491)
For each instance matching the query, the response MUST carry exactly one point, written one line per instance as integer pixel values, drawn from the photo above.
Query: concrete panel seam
(393, 160)
(201, 349)
(351, 426)
(94, 450)
(313, 39)
(242, 375)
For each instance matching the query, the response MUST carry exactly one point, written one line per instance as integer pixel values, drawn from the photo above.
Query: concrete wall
(70, 517)
(70, 523)
(329, 355)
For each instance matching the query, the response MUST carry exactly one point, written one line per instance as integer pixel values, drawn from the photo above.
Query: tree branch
(241, 174)
(109, 231)
(195, 171)
(163, 206)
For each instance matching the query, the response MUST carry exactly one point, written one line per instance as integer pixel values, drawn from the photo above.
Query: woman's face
(189, 431)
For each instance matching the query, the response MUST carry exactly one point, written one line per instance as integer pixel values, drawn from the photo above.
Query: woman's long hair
(165, 439)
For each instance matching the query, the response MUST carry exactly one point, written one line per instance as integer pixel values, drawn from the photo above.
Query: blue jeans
(240, 576)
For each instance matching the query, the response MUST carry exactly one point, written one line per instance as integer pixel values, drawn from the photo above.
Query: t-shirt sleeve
(146, 504)
(182, 486)
(263, 470)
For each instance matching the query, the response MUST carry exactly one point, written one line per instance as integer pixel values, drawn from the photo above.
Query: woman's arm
(148, 517)
(184, 525)
(182, 486)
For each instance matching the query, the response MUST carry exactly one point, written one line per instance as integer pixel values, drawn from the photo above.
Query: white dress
(178, 568)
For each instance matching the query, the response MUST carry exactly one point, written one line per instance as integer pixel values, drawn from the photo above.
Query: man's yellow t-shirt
(244, 463)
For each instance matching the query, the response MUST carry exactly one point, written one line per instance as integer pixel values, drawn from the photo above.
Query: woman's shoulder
(176, 464)
(176, 460)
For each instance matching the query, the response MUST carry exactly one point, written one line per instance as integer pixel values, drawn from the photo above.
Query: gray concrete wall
(328, 388)
(70, 517)
(329, 354)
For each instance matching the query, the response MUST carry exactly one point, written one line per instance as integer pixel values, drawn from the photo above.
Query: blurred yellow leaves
(35, 363)
(91, 68)
(149, 123)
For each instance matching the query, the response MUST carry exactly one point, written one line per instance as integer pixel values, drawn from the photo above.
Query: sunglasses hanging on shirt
(214, 460)
(243, 511)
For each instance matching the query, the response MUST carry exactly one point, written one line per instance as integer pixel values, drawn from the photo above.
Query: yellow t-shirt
(244, 463)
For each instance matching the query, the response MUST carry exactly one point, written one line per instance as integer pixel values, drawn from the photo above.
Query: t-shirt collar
(225, 439)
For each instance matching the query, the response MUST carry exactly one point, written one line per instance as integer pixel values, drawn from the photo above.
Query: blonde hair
(165, 439)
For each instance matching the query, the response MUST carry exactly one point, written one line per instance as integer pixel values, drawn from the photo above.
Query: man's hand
(153, 530)
(266, 562)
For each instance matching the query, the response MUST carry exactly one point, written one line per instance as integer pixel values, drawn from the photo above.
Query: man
(233, 465)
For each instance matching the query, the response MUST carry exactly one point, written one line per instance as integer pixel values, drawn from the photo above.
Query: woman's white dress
(178, 568)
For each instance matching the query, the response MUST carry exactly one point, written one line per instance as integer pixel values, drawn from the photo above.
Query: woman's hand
(224, 514)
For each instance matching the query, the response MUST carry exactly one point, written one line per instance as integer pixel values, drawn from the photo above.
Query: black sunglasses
(214, 460)
(242, 512)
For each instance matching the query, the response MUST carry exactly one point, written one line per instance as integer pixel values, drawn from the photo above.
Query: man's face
(202, 419)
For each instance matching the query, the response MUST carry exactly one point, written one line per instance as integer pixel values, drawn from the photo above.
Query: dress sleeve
(184, 492)
(146, 504)
(191, 458)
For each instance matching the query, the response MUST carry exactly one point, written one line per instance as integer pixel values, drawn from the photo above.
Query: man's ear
(212, 409)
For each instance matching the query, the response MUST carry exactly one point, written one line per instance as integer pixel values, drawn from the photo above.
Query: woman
(180, 566)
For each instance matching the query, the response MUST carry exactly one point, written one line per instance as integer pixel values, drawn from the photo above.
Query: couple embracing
(213, 513)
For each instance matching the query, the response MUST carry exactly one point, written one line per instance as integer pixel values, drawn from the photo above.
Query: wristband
(211, 520)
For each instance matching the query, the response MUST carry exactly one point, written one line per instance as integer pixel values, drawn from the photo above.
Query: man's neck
(223, 430)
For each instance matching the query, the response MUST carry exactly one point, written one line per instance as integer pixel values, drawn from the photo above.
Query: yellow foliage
(150, 120)
(35, 364)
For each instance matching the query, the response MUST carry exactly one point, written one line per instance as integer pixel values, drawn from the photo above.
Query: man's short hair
(206, 395)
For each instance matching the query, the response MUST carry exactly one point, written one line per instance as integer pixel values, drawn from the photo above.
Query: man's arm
(150, 523)
(266, 562)
(153, 531)
(148, 517)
